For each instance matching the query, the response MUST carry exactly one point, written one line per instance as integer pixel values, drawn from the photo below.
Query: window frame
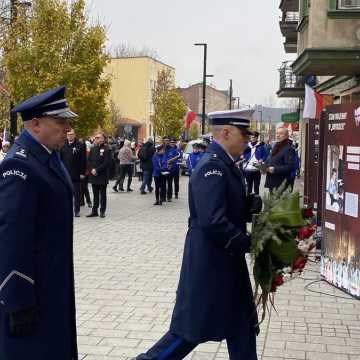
(337, 12)
(339, 7)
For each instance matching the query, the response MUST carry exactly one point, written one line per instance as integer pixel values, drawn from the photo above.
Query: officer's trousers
(173, 347)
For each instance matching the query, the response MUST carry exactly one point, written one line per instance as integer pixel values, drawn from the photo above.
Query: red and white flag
(315, 103)
(190, 117)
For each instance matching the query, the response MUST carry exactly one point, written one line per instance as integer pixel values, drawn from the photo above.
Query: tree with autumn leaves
(170, 109)
(56, 45)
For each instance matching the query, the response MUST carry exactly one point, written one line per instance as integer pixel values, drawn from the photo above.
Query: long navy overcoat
(36, 252)
(214, 298)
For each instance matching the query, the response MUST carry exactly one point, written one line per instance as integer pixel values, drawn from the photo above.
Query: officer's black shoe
(77, 214)
(102, 215)
(115, 189)
(169, 200)
(121, 189)
(143, 192)
(151, 189)
(129, 190)
(93, 214)
(176, 196)
(157, 202)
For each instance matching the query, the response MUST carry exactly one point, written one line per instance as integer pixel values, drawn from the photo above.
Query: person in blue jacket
(37, 302)
(254, 154)
(172, 157)
(214, 300)
(194, 158)
(160, 173)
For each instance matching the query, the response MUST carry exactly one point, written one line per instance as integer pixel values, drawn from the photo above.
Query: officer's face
(51, 132)
(237, 140)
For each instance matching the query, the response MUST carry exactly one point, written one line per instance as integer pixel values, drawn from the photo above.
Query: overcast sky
(243, 36)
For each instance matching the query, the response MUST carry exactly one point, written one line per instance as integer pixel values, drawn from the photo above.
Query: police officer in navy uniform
(37, 301)
(214, 298)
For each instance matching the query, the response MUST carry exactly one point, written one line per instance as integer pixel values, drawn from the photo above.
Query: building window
(348, 4)
(347, 9)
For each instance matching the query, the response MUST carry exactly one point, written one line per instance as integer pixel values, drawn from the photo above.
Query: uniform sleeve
(209, 193)
(289, 163)
(18, 204)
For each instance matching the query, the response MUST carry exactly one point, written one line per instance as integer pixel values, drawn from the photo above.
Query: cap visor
(65, 115)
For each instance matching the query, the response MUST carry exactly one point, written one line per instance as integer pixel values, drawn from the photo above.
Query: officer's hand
(93, 171)
(271, 170)
(254, 204)
(23, 323)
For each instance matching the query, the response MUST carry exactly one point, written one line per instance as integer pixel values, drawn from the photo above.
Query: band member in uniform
(214, 298)
(37, 302)
(173, 155)
(73, 155)
(254, 154)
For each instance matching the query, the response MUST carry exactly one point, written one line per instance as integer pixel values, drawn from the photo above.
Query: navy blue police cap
(51, 103)
(230, 117)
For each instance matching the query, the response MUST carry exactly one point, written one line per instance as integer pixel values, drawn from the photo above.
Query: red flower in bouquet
(308, 213)
(278, 281)
(306, 232)
(299, 263)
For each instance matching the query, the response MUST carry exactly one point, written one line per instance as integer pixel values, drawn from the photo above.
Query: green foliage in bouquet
(274, 231)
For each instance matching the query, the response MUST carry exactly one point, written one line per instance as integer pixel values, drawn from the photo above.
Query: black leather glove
(23, 323)
(240, 245)
(254, 206)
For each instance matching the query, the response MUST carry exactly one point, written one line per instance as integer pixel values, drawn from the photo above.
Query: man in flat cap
(37, 302)
(214, 298)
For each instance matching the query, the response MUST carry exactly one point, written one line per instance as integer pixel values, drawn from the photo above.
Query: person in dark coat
(73, 155)
(254, 154)
(37, 301)
(214, 297)
(99, 163)
(281, 162)
(146, 154)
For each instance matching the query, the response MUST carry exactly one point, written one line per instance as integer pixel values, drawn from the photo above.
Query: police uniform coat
(36, 252)
(214, 298)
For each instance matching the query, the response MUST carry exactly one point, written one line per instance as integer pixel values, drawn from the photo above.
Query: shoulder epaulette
(21, 154)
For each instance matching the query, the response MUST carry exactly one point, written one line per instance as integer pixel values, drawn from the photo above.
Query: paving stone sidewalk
(127, 268)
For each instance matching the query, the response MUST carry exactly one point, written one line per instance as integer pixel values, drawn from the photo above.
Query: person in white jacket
(4, 149)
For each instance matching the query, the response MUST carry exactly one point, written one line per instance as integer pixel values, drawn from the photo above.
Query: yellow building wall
(132, 83)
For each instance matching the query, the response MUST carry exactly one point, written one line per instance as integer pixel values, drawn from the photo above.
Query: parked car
(188, 150)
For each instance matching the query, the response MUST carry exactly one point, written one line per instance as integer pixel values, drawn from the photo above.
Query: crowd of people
(98, 160)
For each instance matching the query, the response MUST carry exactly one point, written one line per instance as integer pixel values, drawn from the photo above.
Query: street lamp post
(205, 75)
